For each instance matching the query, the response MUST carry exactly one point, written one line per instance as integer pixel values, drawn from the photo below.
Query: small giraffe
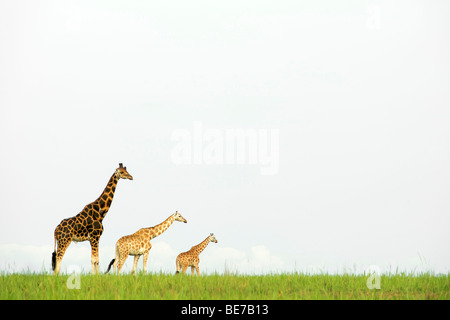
(138, 244)
(191, 257)
(87, 225)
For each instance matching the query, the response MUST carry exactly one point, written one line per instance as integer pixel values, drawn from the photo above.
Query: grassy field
(223, 287)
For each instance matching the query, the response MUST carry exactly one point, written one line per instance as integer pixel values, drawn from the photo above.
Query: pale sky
(358, 92)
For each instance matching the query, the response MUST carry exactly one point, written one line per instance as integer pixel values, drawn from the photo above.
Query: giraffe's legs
(63, 244)
(192, 270)
(94, 260)
(145, 258)
(117, 259)
(94, 239)
(121, 262)
(94, 255)
(115, 265)
(196, 269)
(136, 259)
(184, 268)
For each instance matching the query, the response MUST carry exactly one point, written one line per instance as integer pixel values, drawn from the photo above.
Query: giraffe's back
(65, 228)
(78, 228)
(134, 244)
(188, 259)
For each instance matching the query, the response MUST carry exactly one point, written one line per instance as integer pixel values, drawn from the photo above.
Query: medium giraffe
(191, 257)
(138, 243)
(87, 225)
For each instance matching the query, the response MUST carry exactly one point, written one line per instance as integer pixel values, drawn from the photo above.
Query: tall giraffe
(138, 243)
(87, 225)
(191, 258)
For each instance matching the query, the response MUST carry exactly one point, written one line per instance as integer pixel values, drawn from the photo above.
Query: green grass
(223, 287)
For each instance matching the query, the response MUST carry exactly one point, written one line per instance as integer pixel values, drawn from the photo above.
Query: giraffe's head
(179, 217)
(212, 238)
(122, 173)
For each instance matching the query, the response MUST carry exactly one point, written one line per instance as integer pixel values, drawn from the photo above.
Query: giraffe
(138, 244)
(191, 258)
(87, 225)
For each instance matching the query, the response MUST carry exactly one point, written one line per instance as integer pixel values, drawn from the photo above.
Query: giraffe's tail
(54, 257)
(53, 260)
(177, 262)
(109, 266)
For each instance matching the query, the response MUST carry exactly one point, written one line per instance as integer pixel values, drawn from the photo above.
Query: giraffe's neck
(160, 228)
(107, 196)
(201, 246)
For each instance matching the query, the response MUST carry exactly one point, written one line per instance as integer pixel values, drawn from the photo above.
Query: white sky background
(359, 91)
